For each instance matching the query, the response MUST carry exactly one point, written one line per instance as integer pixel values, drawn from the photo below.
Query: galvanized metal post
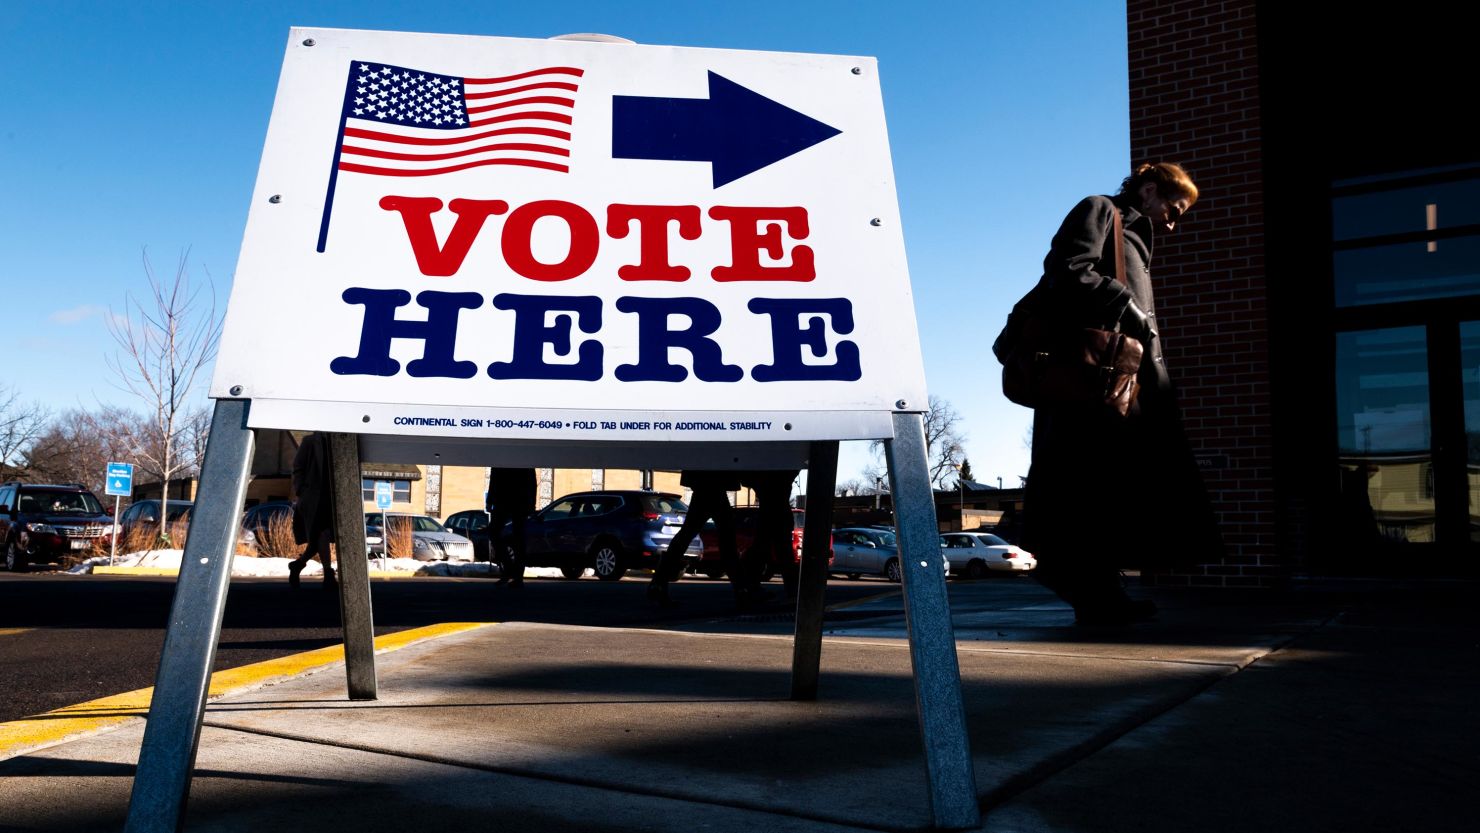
(932, 639)
(167, 755)
(806, 651)
(354, 565)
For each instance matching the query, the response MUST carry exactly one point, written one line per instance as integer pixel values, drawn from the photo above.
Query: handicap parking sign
(382, 495)
(120, 479)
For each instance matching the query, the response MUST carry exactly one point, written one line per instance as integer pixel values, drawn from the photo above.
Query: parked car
(472, 524)
(41, 522)
(430, 541)
(975, 554)
(268, 527)
(861, 551)
(610, 532)
(783, 564)
(141, 519)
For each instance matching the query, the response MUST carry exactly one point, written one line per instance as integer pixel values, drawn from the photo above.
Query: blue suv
(610, 531)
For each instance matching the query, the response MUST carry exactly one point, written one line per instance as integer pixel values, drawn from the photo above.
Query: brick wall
(1194, 100)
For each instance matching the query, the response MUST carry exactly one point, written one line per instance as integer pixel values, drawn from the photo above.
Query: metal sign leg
(167, 755)
(932, 640)
(806, 653)
(354, 566)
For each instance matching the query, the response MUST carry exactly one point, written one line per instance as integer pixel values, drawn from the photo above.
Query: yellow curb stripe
(12, 631)
(70, 722)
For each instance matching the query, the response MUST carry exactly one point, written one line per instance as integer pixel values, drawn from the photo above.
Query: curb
(83, 719)
(171, 571)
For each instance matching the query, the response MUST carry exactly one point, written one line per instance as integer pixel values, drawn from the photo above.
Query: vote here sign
(552, 239)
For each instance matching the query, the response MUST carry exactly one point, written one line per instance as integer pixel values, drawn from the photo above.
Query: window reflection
(1411, 237)
(1382, 402)
(1469, 363)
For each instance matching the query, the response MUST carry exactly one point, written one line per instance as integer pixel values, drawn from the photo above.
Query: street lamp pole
(878, 489)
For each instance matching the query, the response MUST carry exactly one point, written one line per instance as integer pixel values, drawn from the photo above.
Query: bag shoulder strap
(1119, 244)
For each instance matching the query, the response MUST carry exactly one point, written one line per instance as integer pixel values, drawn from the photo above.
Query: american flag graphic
(403, 122)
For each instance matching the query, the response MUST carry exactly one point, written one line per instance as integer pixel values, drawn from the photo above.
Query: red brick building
(1321, 305)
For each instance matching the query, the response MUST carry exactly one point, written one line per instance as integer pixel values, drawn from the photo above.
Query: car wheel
(607, 559)
(891, 570)
(855, 576)
(15, 558)
(976, 569)
(574, 571)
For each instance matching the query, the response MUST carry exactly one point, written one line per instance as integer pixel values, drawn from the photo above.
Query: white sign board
(561, 240)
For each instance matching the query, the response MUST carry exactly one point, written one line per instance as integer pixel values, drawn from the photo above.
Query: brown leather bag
(1045, 364)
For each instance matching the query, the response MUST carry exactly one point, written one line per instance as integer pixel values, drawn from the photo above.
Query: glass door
(1385, 438)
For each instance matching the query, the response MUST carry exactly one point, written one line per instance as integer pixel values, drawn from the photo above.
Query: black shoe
(657, 594)
(330, 582)
(294, 568)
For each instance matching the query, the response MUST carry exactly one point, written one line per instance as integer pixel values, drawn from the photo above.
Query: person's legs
(325, 540)
(498, 543)
(670, 562)
(515, 550)
(296, 565)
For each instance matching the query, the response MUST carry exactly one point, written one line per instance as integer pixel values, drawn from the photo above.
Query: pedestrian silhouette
(511, 497)
(709, 499)
(313, 511)
(773, 538)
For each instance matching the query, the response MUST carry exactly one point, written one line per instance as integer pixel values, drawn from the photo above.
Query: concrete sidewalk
(1331, 708)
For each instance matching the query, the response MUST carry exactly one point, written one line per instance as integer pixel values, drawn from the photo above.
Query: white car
(974, 554)
(430, 541)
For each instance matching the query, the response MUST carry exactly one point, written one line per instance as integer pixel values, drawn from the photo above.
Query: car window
(885, 539)
(559, 510)
(603, 504)
(422, 523)
(664, 504)
(798, 520)
(992, 540)
(180, 510)
(59, 501)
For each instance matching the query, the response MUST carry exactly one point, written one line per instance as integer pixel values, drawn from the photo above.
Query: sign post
(563, 253)
(383, 503)
(118, 481)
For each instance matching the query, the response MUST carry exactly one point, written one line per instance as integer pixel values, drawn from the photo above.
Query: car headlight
(42, 529)
(418, 544)
(248, 537)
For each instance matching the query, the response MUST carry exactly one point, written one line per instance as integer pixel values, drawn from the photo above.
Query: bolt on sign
(481, 237)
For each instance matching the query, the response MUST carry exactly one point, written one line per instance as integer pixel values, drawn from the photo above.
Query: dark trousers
(507, 551)
(704, 505)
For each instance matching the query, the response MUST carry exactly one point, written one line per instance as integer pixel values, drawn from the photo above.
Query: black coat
(314, 513)
(1103, 486)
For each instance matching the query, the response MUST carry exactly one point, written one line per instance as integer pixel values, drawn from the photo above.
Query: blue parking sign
(382, 495)
(120, 479)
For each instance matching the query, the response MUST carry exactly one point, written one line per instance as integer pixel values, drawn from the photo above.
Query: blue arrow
(737, 130)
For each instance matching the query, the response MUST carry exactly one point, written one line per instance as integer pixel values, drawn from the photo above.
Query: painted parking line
(71, 722)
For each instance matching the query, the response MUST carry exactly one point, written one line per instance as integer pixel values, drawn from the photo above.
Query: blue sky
(139, 125)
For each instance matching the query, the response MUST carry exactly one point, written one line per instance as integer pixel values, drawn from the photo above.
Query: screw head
(876, 222)
(275, 199)
(308, 42)
(236, 390)
(857, 70)
(365, 418)
(901, 404)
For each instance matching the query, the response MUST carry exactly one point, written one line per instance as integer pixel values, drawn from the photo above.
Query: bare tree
(164, 342)
(20, 424)
(74, 448)
(944, 446)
